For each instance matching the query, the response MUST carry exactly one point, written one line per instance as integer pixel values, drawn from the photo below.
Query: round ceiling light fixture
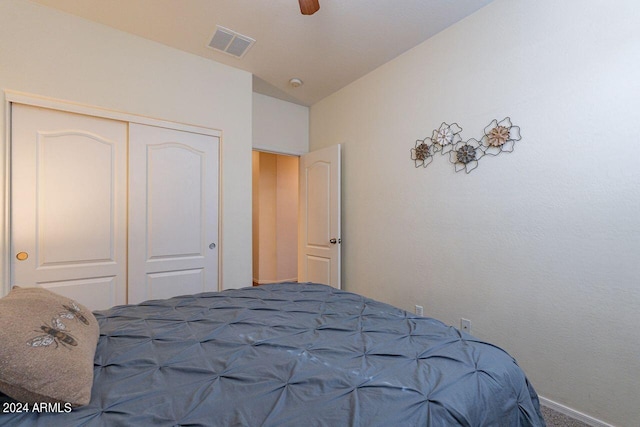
(295, 82)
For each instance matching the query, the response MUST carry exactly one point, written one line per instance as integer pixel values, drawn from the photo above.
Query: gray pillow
(47, 345)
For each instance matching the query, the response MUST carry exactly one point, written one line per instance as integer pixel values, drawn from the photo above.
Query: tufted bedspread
(292, 355)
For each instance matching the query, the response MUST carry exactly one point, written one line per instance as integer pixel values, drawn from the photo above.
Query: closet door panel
(173, 213)
(172, 168)
(68, 204)
(74, 186)
(163, 285)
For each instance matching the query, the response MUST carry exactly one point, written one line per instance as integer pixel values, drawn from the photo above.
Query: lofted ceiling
(340, 43)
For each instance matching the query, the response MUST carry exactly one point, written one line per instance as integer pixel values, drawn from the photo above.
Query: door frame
(299, 155)
(278, 152)
(16, 97)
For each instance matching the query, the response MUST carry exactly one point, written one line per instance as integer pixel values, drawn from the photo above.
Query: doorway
(275, 217)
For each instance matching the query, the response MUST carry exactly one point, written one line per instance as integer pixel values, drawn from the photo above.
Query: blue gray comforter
(292, 355)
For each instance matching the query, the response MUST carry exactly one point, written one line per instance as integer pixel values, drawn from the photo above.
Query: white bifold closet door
(69, 204)
(173, 213)
(85, 226)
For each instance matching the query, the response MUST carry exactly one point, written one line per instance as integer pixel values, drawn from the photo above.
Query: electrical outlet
(465, 325)
(419, 310)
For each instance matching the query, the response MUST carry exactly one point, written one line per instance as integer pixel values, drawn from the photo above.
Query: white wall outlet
(419, 310)
(465, 325)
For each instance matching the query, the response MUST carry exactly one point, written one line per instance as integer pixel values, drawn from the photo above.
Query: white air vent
(230, 42)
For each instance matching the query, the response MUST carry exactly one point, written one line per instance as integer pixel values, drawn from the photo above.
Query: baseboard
(576, 415)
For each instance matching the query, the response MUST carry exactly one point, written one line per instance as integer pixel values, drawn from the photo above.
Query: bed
(292, 355)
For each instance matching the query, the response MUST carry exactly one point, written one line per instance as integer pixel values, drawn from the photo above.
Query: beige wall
(275, 231)
(540, 247)
(280, 126)
(49, 53)
(255, 221)
(287, 218)
(267, 262)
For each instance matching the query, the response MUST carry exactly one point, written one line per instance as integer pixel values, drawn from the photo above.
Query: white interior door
(319, 247)
(173, 213)
(68, 204)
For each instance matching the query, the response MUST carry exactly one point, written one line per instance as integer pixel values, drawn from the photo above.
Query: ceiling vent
(230, 42)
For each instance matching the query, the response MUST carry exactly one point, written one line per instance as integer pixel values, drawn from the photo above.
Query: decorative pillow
(47, 345)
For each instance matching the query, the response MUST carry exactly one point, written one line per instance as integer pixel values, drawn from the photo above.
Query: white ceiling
(340, 43)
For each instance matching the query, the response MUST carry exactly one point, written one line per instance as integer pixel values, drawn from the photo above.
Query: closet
(109, 208)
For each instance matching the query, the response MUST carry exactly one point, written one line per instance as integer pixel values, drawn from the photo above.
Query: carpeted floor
(556, 419)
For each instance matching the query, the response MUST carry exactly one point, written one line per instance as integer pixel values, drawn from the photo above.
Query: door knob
(212, 246)
(334, 241)
(21, 256)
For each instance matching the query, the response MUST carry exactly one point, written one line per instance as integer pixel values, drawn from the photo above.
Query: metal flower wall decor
(498, 137)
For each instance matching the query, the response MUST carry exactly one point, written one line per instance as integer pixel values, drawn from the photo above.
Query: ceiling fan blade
(309, 7)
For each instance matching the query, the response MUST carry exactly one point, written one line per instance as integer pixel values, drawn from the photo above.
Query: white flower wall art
(442, 140)
(498, 137)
